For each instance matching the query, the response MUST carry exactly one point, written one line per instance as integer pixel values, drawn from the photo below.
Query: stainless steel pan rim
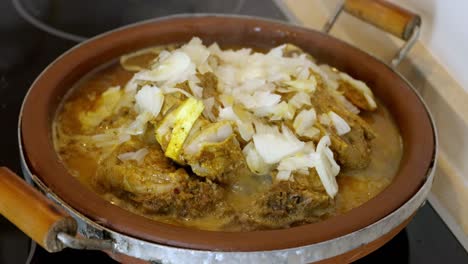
(130, 246)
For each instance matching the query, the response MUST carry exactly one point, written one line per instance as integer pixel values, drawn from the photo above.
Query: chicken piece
(215, 153)
(209, 82)
(358, 153)
(156, 174)
(190, 199)
(354, 91)
(357, 92)
(311, 181)
(353, 148)
(156, 183)
(211, 149)
(286, 204)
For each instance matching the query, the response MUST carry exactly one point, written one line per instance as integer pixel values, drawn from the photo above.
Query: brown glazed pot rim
(49, 88)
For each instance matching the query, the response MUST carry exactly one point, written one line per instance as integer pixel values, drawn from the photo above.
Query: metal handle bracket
(84, 243)
(410, 36)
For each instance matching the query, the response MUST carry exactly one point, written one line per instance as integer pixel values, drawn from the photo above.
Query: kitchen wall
(445, 33)
(435, 66)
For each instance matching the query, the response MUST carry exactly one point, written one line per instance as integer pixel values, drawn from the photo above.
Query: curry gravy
(82, 160)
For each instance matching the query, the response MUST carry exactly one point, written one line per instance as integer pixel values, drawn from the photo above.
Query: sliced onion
(126, 57)
(304, 121)
(167, 67)
(309, 85)
(296, 162)
(273, 147)
(360, 86)
(149, 99)
(245, 128)
(227, 113)
(326, 166)
(340, 124)
(347, 104)
(208, 111)
(254, 161)
(324, 119)
(138, 155)
(283, 175)
(197, 52)
(138, 126)
(299, 100)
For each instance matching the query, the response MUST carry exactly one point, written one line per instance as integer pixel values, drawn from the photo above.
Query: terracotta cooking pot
(101, 225)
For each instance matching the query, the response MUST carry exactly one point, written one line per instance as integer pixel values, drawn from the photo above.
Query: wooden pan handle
(37, 216)
(384, 15)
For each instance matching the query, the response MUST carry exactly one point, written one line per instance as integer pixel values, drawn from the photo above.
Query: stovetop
(26, 50)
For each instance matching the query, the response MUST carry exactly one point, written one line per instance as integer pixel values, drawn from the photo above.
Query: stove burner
(79, 20)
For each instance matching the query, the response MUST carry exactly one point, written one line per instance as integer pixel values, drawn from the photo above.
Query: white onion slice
(254, 161)
(304, 121)
(326, 166)
(273, 147)
(149, 99)
(283, 175)
(138, 155)
(360, 86)
(339, 123)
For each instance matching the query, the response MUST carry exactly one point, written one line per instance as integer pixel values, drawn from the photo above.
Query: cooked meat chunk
(357, 92)
(310, 181)
(289, 203)
(219, 161)
(357, 154)
(215, 153)
(211, 149)
(191, 198)
(156, 183)
(352, 148)
(209, 82)
(354, 96)
(155, 174)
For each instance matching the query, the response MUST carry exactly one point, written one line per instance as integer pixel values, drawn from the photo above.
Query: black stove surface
(26, 50)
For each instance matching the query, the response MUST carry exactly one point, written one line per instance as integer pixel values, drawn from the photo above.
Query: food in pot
(227, 139)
